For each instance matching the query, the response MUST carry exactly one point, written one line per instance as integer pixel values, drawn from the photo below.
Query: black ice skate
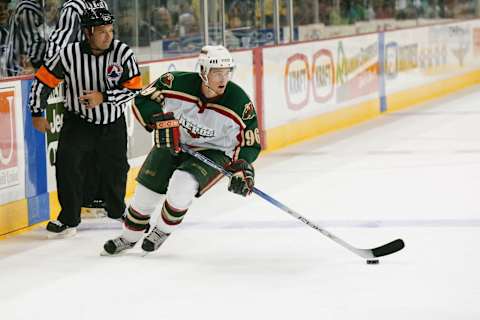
(116, 246)
(154, 240)
(60, 230)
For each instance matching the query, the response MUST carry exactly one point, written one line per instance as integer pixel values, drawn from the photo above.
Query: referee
(101, 75)
(67, 30)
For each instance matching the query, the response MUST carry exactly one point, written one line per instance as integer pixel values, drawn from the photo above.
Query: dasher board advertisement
(305, 80)
(12, 151)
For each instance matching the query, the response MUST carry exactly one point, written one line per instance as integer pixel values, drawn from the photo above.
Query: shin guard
(135, 221)
(171, 216)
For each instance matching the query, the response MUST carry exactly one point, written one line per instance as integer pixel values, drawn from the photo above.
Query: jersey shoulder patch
(167, 80)
(248, 111)
(237, 100)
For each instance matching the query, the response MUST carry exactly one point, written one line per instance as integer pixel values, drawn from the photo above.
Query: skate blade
(143, 254)
(106, 254)
(121, 253)
(70, 232)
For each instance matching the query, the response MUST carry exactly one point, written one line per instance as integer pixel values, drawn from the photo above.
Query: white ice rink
(413, 175)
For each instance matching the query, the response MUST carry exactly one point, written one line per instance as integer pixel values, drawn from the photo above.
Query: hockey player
(209, 113)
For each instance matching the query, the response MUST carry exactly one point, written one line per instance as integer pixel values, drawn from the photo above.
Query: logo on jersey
(196, 131)
(167, 80)
(248, 111)
(114, 71)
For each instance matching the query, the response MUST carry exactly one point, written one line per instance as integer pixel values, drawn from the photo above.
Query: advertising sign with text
(305, 80)
(12, 160)
(420, 56)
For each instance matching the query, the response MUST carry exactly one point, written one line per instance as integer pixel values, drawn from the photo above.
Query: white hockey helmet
(214, 57)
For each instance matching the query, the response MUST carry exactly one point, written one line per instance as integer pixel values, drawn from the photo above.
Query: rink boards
(300, 91)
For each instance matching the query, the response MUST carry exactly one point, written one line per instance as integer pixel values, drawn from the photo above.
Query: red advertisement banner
(8, 139)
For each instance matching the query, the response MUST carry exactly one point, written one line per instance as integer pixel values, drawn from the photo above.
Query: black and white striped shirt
(3, 51)
(115, 73)
(3, 36)
(25, 36)
(68, 27)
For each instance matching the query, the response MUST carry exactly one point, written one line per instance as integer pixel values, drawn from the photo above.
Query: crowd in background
(166, 28)
(347, 12)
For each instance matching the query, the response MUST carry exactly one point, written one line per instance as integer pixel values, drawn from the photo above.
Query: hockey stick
(380, 251)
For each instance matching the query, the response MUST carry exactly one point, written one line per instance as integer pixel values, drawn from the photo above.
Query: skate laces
(122, 243)
(157, 236)
(57, 223)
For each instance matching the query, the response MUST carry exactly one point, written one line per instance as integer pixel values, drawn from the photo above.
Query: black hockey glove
(166, 132)
(243, 178)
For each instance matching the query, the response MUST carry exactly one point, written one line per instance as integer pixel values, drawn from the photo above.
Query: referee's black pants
(78, 139)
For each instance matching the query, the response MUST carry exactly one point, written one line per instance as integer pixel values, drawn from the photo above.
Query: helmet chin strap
(205, 82)
(211, 89)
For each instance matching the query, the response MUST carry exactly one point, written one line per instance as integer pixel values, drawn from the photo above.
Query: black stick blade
(389, 248)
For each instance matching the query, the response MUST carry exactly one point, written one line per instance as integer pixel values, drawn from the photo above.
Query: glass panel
(185, 37)
(284, 16)
(215, 22)
(317, 19)
(127, 22)
(157, 29)
(249, 23)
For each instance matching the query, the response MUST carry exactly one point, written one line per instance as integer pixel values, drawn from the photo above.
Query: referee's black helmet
(96, 17)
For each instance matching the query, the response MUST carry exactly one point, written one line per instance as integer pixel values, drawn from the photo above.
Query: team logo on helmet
(114, 71)
(248, 111)
(167, 80)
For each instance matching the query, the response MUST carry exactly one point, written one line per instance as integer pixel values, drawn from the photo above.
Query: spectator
(240, 14)
(126, 29)
(401, 9)
(324, 10)
(161, 22)
(303, 13)
(187, 23)
(335, 17)
(370, 13)
(158, 26)
(356, 12)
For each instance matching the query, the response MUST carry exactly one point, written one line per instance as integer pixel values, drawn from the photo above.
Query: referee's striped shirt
(68, 28)
(115, 73)
(3, 37)
(3, 52)
(24, 36)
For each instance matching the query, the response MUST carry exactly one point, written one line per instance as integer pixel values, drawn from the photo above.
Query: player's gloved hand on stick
(243, 178)
(166, 132)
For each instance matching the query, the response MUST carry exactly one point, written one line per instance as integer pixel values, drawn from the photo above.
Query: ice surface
(413, 174)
